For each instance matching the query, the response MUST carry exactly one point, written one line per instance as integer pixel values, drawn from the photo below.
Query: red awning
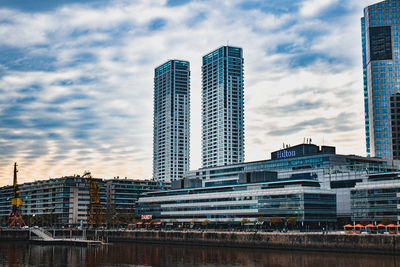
(381, 225)
(359, 225)
(157, 223)
(139, 223)
(370, 225)
(348, 225)
(391, 225)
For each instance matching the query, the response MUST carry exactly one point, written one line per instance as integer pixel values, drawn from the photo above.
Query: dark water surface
(134, 254)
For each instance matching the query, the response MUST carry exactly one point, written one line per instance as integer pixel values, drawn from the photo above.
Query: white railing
(41, 233)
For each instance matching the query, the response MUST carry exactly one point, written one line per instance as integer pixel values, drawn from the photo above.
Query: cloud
(291, 108)
(312, 7)
(340, 123)
(76, 78)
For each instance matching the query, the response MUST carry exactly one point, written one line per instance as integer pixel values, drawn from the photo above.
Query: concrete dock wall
(14, 235)
(293, 241)
(365, 243)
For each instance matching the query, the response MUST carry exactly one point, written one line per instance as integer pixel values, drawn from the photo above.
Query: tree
(386, 221)
(244, 220)
(205, 222)
(275, 221)
(291, 221)
(124, 218)
(109, 214)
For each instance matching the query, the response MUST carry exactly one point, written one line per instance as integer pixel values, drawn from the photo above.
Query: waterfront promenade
(334, 241)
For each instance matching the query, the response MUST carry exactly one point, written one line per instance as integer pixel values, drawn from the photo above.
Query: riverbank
(334, 242)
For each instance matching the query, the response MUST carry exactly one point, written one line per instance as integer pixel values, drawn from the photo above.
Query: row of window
(385, 22)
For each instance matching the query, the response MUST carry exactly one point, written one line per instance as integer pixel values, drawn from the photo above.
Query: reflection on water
(134, 254)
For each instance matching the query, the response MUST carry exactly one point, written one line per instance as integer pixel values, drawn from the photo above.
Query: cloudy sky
(76, 78)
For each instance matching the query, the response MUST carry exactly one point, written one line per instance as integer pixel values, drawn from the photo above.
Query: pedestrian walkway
(41, 233)
(44, 237)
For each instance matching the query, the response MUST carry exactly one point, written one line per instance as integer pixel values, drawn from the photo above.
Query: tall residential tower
(171, 141)
(222, 107)
(381, 68)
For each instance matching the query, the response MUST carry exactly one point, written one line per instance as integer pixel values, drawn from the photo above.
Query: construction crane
(95, 209)
(15, 218)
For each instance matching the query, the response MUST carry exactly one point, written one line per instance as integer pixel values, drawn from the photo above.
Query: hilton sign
(285, 154)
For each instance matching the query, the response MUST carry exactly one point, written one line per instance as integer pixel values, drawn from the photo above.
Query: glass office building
(222, 107)
(381, 69)
(377, 199)
(253, 201)
(305, 168)
(171, 137)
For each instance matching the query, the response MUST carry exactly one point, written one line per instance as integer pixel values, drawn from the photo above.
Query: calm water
(131, 254)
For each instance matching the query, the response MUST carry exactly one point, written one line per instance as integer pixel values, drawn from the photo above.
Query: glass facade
(302, 199)
(65, 200)
(334, 172)
(377, 200)
(122, 194)
(364, 60)
(381, 69)
(171, 136)
(333, 163)
(222, 107)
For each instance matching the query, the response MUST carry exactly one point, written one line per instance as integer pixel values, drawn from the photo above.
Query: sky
(76, 78)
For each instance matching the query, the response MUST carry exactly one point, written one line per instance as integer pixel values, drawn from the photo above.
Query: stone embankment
(365, 243)
(14, 235)
(292, 241)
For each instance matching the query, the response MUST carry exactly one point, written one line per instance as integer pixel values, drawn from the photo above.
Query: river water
(134, 254)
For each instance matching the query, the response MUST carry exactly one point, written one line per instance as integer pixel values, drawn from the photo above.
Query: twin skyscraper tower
(222, 113)
(222, 100)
